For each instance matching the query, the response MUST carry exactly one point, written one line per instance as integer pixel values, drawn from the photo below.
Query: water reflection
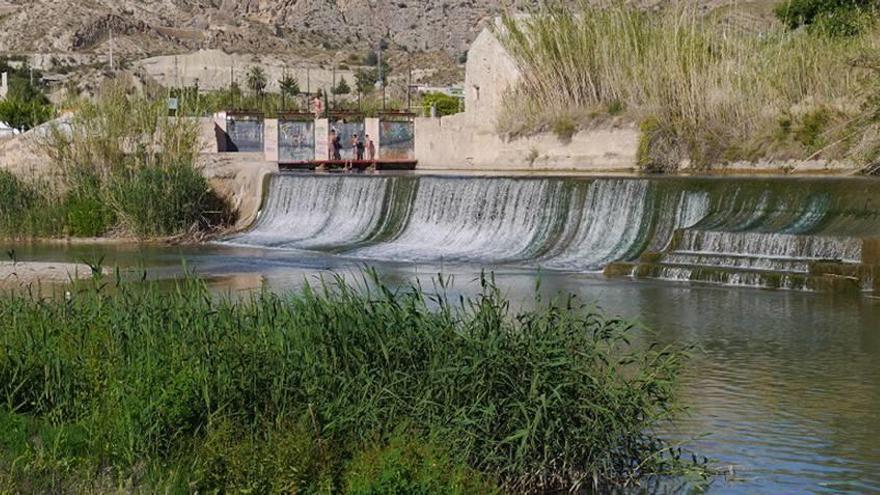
(787, 385)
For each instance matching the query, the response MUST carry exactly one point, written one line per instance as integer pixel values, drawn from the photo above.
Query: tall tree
(256, 80)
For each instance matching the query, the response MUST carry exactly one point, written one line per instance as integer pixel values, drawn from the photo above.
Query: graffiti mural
(296, 141)
(245, 134)
(346, 130)
(397, 140)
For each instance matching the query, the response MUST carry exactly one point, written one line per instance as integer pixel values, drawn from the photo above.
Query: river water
(783, 390)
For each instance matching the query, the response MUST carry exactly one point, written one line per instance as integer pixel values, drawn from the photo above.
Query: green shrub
(444, 104)
(284, 458)
(564, 127)
(412, 467)
(155, 200)
(835, 17)
(811, 128)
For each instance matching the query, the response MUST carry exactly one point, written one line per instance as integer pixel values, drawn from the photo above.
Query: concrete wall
(451, 143)
(322, 139)
(371, 128)
(270, 139)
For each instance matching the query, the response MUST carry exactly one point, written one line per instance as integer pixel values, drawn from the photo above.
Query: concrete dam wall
(808, 234)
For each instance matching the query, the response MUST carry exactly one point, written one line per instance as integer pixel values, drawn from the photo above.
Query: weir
(801, 234)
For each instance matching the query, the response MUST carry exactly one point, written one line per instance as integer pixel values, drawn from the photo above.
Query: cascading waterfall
(717, 230)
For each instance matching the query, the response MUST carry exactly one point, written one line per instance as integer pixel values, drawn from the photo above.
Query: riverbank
(17, 274)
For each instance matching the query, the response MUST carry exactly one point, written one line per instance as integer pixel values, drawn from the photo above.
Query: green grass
(331, 390)
(712, 91)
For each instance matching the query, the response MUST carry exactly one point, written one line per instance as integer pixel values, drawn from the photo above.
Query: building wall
(470, 141)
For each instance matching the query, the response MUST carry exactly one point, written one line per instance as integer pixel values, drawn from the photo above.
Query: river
(783, 390)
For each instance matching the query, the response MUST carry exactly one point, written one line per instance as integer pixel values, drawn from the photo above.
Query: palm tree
(256, 79)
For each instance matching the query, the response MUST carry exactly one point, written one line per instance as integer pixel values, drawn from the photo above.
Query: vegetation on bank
(26, 105)
(119, 165)
(704, 92)
(336, 389)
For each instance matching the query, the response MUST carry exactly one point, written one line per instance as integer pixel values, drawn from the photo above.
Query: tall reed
(555, 397)
(715, 93)
(123, 164)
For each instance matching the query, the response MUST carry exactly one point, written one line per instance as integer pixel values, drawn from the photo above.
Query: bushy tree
(342, 88)
(445, 104)
(26, 105)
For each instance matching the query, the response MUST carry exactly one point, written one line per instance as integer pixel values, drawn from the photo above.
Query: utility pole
(381, 74)
(333, 87)
(111, 49)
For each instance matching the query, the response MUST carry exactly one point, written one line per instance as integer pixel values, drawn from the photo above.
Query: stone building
(470, 140)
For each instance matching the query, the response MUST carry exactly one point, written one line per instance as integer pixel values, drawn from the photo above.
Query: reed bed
(120, 165)
(706, 92)
(338, 388)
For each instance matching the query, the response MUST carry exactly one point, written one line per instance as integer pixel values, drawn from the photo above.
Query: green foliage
(88, 214)
(365, 81)
(187, 203)
(26, 105)
(257, 80)
(445, 104)
(342, 88)
(115, 179)
(24, 115)
(811, 127)
(564, 127)
(407, 467)
(835, 17)
(272, 458)
(289, 85)
(278, 393)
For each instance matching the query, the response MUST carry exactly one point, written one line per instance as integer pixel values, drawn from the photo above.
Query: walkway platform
(358, 164)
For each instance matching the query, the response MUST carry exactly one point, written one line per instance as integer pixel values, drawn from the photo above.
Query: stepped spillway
(800, 234)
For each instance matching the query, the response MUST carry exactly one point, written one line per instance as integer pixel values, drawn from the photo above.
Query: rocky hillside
(146, 27)
(152, 26)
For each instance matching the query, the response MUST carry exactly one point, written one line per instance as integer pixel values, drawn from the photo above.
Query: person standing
(371, 149)
(360, 150)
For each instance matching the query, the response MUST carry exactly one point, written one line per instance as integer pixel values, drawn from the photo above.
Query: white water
(580, 225)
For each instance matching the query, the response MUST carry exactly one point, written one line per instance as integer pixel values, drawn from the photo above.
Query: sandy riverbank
(20, 273)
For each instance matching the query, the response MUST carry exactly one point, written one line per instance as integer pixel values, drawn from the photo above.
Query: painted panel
(245, 134)
(296, 140)
(397, 140)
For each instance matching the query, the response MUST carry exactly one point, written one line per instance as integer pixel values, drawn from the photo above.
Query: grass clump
(335, 389)
(123, 166)
(716, 91)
